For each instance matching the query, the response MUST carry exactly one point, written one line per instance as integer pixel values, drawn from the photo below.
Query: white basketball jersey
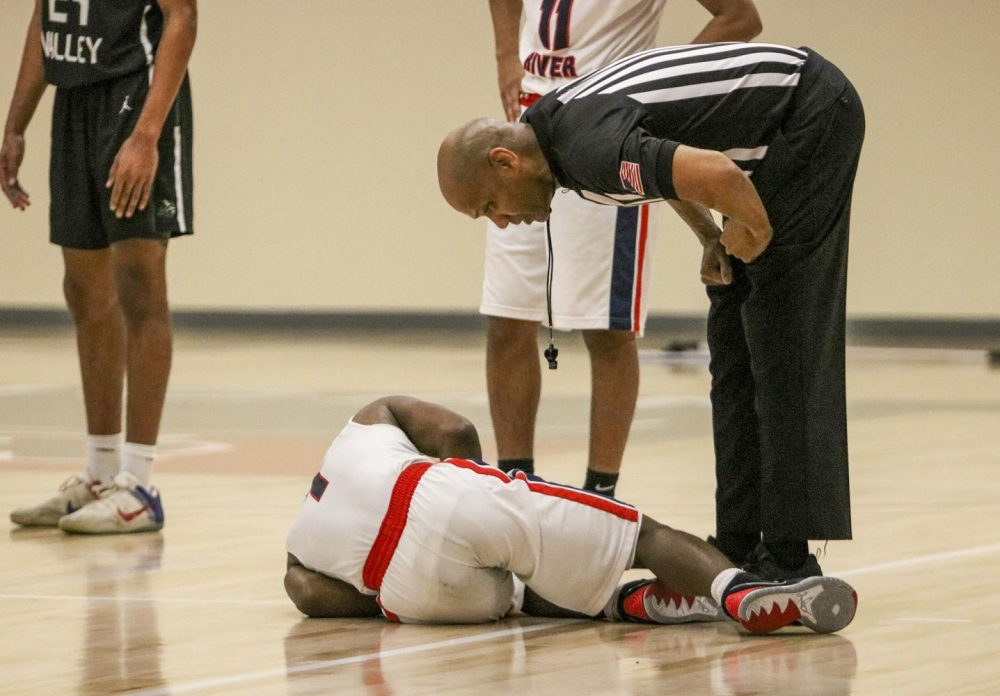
(340, 516)
(563, 39)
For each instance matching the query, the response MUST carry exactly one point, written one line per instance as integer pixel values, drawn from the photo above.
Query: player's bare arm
(27, 93)
(435, 430)
(506, 15)
(732, 20)
(711, 179)
(715, 266)
(132, 173)
(319, 596)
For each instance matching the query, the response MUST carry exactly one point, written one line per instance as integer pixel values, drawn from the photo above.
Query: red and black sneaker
(647, 601)
(821, 603)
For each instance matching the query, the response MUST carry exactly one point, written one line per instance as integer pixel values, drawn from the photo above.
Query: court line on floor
(186, 687)
(922, 560)
(152, 600)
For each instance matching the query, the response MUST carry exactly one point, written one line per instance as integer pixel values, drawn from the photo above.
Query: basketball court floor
(200, 609)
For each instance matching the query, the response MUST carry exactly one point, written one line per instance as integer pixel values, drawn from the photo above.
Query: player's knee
(88, 301)
(141, 292)
(299, 590)
(501, 330)
(652, 536)
(601, 341)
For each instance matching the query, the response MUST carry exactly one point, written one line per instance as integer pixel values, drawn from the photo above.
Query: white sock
(722, 581)
(138, 461)
(104, 456)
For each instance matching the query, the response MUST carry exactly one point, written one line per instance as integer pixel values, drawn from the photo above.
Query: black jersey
(88, 41)
(611, 135)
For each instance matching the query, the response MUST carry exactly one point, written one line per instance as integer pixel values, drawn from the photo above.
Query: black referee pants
(776, 334)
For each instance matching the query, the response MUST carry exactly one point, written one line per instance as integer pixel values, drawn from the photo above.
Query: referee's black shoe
(761, 563)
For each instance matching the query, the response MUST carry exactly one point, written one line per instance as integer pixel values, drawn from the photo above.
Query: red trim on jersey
(394, 618)
(392, 525)
(610, 505)
(637, 302)
(603, 503)
(479, 468)
(528, 98)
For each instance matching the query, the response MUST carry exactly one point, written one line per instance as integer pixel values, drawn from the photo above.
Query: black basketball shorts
(89, 125)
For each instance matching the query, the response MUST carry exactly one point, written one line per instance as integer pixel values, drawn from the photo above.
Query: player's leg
(614, 369)
(140, 277)
(89, 289)
(88, 285)
(692, 566)
(601, 267)
(514, 382)
(513, 300)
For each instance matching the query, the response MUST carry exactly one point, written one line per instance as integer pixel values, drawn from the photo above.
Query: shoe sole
(822, 604)
(29, 522)
(680, 610)
(129, 530)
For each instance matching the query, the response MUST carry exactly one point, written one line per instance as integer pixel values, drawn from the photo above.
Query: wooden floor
(199, 608)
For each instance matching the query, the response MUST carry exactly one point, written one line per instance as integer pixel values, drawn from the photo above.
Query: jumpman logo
(125, 106)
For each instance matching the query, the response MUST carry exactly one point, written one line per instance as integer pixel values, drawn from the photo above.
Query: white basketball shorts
(457, 533)
(600, 267)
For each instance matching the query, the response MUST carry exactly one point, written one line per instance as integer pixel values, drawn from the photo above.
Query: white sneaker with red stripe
(125, 505)
(821, 603)
(74, 493)
(647, 601)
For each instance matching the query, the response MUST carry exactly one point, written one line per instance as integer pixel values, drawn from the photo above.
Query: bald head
(486, 165)
(464, 155)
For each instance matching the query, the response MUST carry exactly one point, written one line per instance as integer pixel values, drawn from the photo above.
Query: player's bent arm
(732, 20)
(318, 596)
(434, 429)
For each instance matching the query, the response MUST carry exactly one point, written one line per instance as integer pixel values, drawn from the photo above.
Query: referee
(120, 180)
(769, 136)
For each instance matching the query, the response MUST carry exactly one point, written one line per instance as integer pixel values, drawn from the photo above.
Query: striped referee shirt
(611, 135)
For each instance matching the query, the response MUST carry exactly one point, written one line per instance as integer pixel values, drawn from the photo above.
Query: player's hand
(742, 243)
(11, 156)
(131, 176)
(716, 268)
(509, 74)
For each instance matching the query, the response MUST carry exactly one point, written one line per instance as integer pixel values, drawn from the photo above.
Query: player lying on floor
(405, 520)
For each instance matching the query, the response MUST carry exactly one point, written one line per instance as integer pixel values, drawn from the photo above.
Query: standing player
(402, 519)
(598, 260)
(120, 179)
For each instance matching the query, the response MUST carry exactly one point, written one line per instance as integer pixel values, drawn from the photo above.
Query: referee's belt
(529, 98)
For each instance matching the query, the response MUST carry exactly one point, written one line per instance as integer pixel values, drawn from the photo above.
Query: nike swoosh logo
(604, 489)
(129, 516)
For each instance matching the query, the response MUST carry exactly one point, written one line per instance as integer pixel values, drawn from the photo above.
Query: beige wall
(317, 123)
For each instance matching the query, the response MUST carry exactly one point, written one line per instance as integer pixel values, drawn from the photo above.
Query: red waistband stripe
(529, 98)
(594, 500)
